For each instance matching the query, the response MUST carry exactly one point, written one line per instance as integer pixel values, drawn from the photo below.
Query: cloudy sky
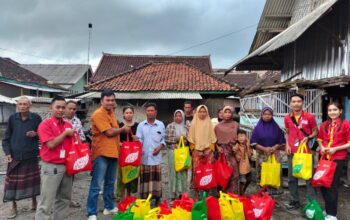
(43, 31)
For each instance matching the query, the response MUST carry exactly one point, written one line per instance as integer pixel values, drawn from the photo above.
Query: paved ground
(82, 182)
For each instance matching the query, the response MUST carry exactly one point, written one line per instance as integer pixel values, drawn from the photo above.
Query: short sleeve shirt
(151, 136)
(48, 130)
(336, 135)
(101, 121)
(306, 121)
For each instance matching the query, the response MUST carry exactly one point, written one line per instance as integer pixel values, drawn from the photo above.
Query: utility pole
(88, 56)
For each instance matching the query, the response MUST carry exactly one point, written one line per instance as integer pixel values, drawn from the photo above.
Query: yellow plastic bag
(237, 208)
(182, 157)
(142, 207)
(167, 217)
(152, 214)
(129, 173)
(225, 207)
(231, 208)
(271, 173)
(180, 213)
(302, 163)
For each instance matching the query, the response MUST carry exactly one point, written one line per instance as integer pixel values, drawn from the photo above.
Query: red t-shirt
(48, 130)
(306, 121)
(335, 137)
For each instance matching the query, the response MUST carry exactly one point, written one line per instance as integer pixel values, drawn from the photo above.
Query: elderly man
(21, 148)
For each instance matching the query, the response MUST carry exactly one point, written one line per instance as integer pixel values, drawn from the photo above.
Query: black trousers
(330, 195)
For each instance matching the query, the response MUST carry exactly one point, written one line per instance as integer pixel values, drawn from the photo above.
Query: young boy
(243, 154)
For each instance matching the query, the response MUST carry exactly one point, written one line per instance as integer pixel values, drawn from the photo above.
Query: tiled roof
(166, 76)
(12, 70)
(242, 80)
(114, 64)
(270, 78)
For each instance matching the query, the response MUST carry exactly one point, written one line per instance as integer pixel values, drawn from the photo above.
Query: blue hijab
(267, 134)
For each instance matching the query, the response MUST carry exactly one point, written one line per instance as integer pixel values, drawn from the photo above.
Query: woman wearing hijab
(202, 137)
(226, 133)
(173, 132)
(267, 139)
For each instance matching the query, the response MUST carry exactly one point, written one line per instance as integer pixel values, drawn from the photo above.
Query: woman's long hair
(329, 121)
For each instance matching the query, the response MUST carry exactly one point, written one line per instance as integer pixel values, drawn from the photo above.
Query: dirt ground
(82, 182)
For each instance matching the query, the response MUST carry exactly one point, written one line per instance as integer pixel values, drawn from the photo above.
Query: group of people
(208, 139)
(21, 147)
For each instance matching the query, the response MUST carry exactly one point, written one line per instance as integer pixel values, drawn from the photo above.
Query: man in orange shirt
(105, 144)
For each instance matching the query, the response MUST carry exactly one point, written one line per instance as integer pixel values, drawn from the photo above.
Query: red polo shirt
(48, 130)
(306, 121)
(335, 136)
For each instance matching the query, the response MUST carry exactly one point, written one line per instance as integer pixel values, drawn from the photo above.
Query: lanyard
(298, 124)
(331, 138)
(59, 129)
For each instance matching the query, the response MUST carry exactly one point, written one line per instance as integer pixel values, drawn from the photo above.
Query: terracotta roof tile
(242, 80)
(166, 76)
(12, 70)
(114, 64)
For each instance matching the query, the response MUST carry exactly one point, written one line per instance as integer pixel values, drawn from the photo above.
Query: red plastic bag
(205, 176)
(164, 208)
(324, 173)
(213, 208)
(78, 157)
(185, 202)
(126, 203)
(223, 171)
(130, 153)
(247, 206)
(263, 205)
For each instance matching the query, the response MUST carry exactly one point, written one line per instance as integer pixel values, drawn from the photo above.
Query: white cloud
(57, 30)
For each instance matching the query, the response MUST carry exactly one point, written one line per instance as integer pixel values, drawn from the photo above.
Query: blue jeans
(104, 169)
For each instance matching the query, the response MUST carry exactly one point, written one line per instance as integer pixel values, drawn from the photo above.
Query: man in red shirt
(55, 136)
(300, 127)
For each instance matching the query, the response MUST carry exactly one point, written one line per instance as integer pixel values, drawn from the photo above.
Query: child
(243, 154)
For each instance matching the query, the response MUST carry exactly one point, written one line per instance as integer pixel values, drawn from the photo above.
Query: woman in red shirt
(334, 139)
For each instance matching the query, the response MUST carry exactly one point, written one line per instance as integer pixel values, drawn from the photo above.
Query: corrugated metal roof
(32, 87)
(59, 73)
(302, 8)
(275, 18)
(147, 95)
(5, 99)
(278, 15)
(290, 34)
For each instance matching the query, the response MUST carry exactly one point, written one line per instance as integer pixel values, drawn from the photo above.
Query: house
(247, 80)
(311, 51)
(73, 77)
(168, 84)
(114, 64)
(7, 108)
(16, 81)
